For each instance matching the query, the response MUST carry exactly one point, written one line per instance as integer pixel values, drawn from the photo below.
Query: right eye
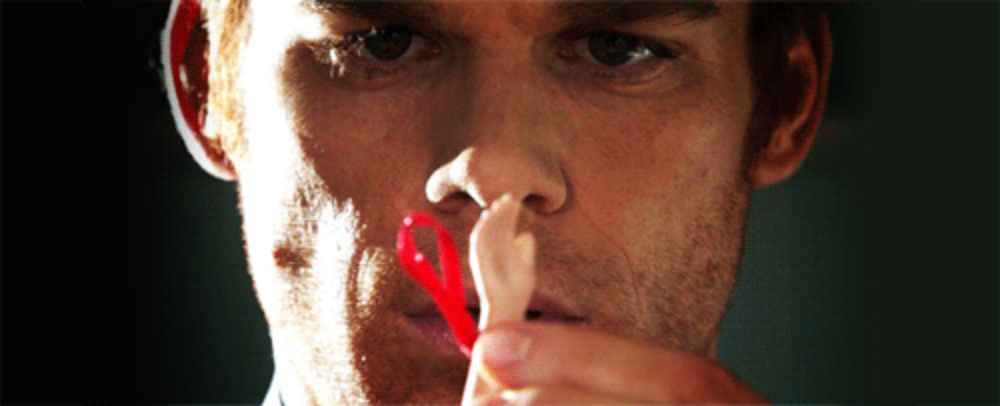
(381, 55)
(386, 43)
(614, 49)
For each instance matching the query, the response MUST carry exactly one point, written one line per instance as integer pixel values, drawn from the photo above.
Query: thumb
(476, 387)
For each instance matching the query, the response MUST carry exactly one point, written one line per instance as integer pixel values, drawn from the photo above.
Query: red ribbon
(448, 293)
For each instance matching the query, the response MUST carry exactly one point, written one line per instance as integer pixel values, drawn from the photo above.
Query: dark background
(869, 276)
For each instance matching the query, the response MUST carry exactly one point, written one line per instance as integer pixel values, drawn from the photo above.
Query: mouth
(426, 321)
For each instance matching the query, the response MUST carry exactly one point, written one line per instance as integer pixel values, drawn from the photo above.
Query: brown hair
(772, 29)
(229, 28)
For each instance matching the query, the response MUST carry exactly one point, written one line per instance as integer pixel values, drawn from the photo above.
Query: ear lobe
(185, 57)
(793, 135)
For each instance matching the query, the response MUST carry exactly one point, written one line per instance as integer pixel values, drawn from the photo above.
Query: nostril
(536, 202)
(454, 202)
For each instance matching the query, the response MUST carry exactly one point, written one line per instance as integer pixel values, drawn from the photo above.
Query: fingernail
(505, 347)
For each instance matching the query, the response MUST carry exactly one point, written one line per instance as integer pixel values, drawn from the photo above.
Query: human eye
(620, 59)
(385, 44)
(380, 55)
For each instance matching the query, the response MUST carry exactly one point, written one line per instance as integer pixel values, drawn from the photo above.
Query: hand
(503, 264)
(503, 269)
(542, 363)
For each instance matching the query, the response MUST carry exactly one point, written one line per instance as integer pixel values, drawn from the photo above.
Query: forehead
(534, 15)
(554, 10)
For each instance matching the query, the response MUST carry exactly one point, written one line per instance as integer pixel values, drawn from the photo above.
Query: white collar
(273, 397)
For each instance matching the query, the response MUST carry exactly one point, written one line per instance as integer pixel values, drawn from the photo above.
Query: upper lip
(541, 307)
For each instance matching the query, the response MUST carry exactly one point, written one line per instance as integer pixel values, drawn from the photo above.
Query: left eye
(385, 43)
(616, 49)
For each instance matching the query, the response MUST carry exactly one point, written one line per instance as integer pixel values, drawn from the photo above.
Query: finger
(497, 233)
(524, 246)
(502, 264)
(503, 271)
(556, 354)
(507, 211)
(485, 241)
(508, 251)
(475, 386)
(484, 274)
(547, 395)
(497, 213)
(481, 261)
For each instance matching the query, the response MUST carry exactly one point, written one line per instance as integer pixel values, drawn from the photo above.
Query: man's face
(621, 129)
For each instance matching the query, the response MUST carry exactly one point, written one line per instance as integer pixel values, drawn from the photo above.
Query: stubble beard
(332, 293)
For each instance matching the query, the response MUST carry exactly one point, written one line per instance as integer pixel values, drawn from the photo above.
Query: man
(629, 134)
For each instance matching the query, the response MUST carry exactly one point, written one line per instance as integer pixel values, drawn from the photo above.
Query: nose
(481, 174)
(510, 143)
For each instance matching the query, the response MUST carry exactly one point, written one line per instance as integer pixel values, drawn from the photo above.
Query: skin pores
(633, 190)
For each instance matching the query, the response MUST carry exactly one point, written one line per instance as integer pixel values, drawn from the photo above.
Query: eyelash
(343, 57)
(340, 55)
(348, 46)
(636, 73)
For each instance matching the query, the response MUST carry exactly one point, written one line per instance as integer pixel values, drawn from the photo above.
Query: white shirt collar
(273, 397)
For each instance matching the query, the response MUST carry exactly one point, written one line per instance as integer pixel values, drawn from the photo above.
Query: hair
(229, 27)
(773, 28)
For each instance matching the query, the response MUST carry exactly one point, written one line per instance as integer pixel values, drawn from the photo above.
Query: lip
(425, 319)
(541, 307)
(433, 330)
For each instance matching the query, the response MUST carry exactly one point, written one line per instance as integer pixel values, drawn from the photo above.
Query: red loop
(449, 294)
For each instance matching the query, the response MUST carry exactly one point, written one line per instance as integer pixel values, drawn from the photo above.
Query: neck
(308, 384)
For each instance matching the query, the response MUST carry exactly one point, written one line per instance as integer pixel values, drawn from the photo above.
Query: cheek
(322, 187)
(371, 151)
(656, 149)
(661, 159)
(360, 146)
(326, 116)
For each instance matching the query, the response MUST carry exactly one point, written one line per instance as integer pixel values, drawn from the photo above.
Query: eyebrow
(410, 12)
(626, 12)
(583, 13)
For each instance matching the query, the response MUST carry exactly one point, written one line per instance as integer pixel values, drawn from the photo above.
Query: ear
(185, 58)
(794, 133)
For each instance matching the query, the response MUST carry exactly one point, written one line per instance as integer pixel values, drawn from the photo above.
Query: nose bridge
(501, 80)
(509, 146)
(503, 112)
